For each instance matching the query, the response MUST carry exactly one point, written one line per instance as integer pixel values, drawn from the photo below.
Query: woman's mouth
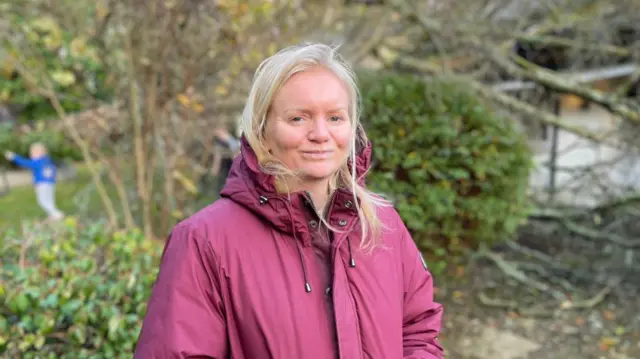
(317, 155)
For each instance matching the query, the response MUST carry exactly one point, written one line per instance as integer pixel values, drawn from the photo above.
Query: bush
(74, 292)
(60, 148)
(457, 172)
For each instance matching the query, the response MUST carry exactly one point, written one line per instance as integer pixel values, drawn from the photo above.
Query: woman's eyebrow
(305, 111)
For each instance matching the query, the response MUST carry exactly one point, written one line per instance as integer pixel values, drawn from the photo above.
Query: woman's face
(308, 127)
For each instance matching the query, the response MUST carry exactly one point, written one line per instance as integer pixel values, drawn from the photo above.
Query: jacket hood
(249, 186)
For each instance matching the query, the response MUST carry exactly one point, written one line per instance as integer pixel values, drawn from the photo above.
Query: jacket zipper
(329, 204)
(332, 256)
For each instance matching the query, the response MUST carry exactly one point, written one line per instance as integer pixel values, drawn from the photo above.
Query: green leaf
(63, 78)
(114, 325)
(19, 303)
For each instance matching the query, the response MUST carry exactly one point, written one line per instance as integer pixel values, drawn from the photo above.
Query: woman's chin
(318, 173)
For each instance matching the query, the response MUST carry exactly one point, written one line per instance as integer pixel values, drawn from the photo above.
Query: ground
(475, 331)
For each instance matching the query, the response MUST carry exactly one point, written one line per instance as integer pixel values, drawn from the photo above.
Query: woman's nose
(319, 130)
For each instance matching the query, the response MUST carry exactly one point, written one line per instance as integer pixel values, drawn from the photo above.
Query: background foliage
(74, 291)
(70, 61)
(457, 171)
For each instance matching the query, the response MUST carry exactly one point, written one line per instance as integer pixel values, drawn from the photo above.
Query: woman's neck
(319, 196)
(317, 190)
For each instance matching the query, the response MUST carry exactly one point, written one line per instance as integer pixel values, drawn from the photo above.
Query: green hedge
(78, 293)
(457, 172)
(60, 147)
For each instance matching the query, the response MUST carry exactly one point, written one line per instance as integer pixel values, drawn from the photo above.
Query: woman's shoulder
(222, 219)
(393, 227)
(389, 216)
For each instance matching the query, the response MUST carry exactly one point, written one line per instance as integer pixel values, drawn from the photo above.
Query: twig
(497, 303)
(565, 305)
(549, 261)
(597, 235)
(513, 306)
(549, 79)
(536, 267)
(532, 253)
(558, 214)
(569, 43)
(593, 301)
(27, 239)
(620, 202)
(390, 57)
(527, 70)
(555, 214)
(512, 271)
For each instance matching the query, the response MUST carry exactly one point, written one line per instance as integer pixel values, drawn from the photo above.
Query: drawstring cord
(307, 285)
(352, 262)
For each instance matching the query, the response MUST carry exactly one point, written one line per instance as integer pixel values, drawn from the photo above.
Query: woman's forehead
(312, 88)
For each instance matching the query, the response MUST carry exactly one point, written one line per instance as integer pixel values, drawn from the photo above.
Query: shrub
(74, 292)
(456, 171)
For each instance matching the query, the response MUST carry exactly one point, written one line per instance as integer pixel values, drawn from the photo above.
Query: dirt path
(18, 178)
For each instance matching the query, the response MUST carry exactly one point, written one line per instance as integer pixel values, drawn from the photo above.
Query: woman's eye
(296, 119)
(336, 118)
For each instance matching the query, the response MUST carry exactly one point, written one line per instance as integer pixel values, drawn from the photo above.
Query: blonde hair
(269, 78)
(38, 147)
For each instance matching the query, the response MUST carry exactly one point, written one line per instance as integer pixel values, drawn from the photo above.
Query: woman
(297, 259)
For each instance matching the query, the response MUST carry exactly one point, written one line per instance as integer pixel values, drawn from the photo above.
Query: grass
(74, 196)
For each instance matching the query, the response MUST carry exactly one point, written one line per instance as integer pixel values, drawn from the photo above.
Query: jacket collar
(250, 187)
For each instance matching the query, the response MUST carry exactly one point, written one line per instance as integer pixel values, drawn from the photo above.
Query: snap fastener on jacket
(263, 199)
(343, 222)
(348, 204)
(313, 224)
(327, 291)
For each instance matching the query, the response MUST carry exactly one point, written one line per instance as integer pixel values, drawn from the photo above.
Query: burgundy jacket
(252, 277)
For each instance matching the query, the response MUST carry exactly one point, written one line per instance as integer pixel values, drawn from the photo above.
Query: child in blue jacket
(44, 177)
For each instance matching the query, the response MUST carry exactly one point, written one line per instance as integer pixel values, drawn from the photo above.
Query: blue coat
(43, 168)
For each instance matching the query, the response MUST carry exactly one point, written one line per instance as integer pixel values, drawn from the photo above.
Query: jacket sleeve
(422, 318)
(23, 162)
(185, 316)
